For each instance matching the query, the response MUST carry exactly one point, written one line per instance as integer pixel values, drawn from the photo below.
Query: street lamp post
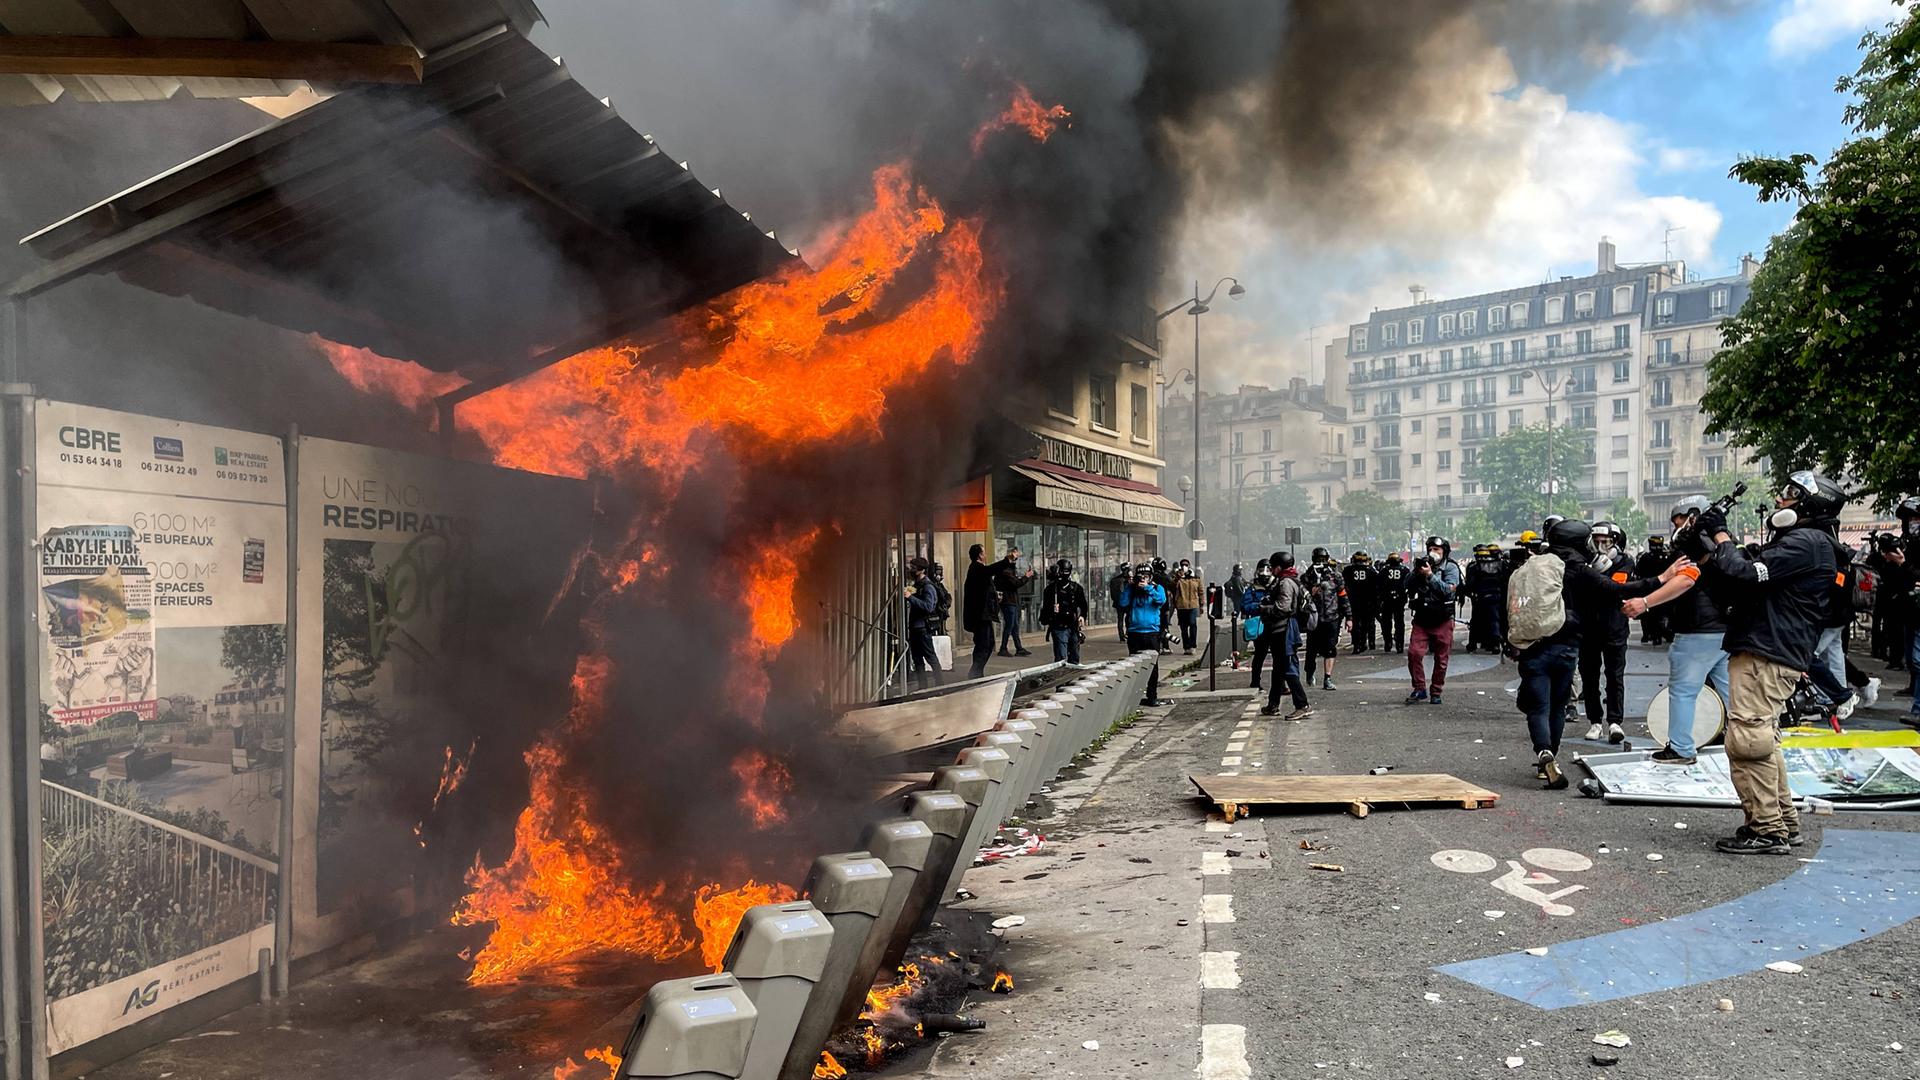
(1552, 386)
(1197, 306)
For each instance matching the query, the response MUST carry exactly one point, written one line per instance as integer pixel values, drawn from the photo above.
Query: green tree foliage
(1371, 518)
(1632, 520)
(1513, 470)
(1818, 369)
(1474, 528)
(1264, 515)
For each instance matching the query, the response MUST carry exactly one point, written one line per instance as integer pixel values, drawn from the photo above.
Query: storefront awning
(1096, 497)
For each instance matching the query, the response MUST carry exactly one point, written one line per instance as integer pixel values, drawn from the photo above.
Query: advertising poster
(163, 563)
(1863, 773)
(423, 583)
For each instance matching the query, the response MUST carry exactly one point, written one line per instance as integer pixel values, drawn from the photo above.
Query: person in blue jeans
(1008, 580)
(1140, 604)
(1696, 626)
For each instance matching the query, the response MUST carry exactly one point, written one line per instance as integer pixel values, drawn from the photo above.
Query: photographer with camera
(1008, 580)
(1281, 608)
(923, 606)
(1433, 595)
(1063, 611)
(1141, 604)
(1696, 625)
(1775, 603)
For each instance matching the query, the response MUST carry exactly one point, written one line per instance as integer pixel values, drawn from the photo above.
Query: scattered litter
(1605, 850)
(1541, 951)
(962, 894)
(1025, 842)
(1654, 856)
(1493, 914)
(1308, 845)
(1334, 868)
(1434, 997)
(1679, 824)
(1235, 835)
(1180, 922)
(1478, 741)
(1380, 770)
(1724, 1004)
(1785, 967)
(1009, 922)
(1090, 1044)
(1515, 1062)
(1895, 1047)
(1605, 1057)
(1615, 1039)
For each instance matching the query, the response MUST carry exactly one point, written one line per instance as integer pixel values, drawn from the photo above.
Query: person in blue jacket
(1140, 604)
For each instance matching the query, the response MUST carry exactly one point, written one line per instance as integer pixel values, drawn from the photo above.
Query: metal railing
(1682, 358)
(1674, 483)
(192, 869)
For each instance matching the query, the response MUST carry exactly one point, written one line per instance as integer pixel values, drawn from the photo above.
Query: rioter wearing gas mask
(1775, 602)
(1657, 557)
(1063, 611)
(1603, 645)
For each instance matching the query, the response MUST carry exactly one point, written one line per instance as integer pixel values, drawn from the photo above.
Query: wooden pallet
(1237, 795)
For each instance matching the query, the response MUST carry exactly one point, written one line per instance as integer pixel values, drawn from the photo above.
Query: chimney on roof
(1608, 261)
(1419, 293)
(1297, 389)
(1749, 266)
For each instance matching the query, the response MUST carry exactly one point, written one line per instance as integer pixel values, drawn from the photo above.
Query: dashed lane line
(1219, 971)
(1223, 1053)
(1216, 908)
(1214, 862)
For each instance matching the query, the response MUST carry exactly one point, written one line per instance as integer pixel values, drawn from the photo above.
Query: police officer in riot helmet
(1393, 579)
(1603, 645)
(1776, 601)
(1063, 611)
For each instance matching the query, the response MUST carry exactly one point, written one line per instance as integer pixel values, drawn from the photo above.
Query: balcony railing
(1387, 447)
(1656, 484)
(1661, 401)
(1387, 408)
(1475, 434)
(1380, 480)
(1682, 358)
(1478, 400)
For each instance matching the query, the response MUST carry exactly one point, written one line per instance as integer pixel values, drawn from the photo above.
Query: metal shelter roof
(143, 25)
(493, 219)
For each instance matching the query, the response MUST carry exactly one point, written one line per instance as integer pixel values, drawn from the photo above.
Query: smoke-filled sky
(1329, 153)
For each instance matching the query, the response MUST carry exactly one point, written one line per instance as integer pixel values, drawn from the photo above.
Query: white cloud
(1810, 25)
(1515, 188)
(1683, 158)
(1611, 56)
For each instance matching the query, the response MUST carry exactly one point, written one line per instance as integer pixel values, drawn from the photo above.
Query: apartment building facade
(1682, 334)
(1429, 383)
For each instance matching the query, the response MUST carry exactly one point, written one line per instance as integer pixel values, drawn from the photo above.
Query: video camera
(1687, 538)
(1423, 560)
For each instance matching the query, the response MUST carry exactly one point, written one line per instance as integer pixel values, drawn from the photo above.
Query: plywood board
(1236, 795)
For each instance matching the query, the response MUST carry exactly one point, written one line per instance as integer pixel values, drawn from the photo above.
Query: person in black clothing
(1547, 665)
(1774, 604)
(1327, 592)
(1653, 625)
(1116, 588)
(977, 604)
(1394, 577)
(923, 602)
(1363, 592)
(1604, 644)
(1262, 645)
(943, 606)
(1281, 608)
(1486, 586)
(1063, 611)
(1008, 580)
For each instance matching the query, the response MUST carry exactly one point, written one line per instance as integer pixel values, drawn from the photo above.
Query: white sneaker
(1596, 733)
(1870, 693)
(1845, 708)
(1616, 733)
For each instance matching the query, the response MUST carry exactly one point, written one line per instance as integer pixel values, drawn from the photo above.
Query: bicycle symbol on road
(1519, 881)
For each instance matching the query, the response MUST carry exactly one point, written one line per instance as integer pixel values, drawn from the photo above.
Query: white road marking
(1223, 1053)
(1219, 971)
(1216, 908)
(1236, 747)
(1214, 862)
(1230, 759)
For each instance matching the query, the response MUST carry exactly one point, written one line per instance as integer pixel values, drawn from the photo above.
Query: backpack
(1536, 600)
(1250, 601)
(1862, 587)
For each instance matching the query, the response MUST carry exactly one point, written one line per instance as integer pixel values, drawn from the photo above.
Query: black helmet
(937, 572)
(1552, 520)
(1440, 542)
(1908, 509)
(1158, 565)
(1262, 565)
(1815, 498)
(1063, 568)
(1656, 541)
(1321, 554)
(1569, 533)
(1280, 560)
(1480, 551)
(1393, 556)
(1362, 558)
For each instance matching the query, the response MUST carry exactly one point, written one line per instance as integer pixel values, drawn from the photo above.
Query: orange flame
(1002, 983)
(604, 1055)
(717, 914)
(829, 1068)
(402, 380)
(1025, 113)
(764, 782)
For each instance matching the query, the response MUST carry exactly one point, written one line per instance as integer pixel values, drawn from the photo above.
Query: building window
(1469, 356)
(1517, 314)
(1339, 442)
(1360, 435)
(1519, 350)
(1414, 426)
(1516, 384)
(1357, 339)
(1389, 469)
(1416, 461)
(1622, 298)
(1716, 463)
(1619, 446)
(1583, 341)
(1360, 467)
(1590, 460)
(1444, 326)
(1622, 371)
(1416, 331)
(1239, 472)
(1413, 361)
(1100, 403)
(1584, 381)
(1623, 336)
(1713, 438)
(1663, 311)
(1496, 317)
(1663, 349)
(1389, 333)
(1266, 473)
(1326, 496)
(1443, 391)
(1139, 411)
(1359, 403)
(1583, 305)
(1446, 359)
(1553, 346)
(1717, 301)
(1389, 367)
(1583, 417)
(1389, 435)
(1662, 435)
(1446, 427)
(1662, 473)
(1497, 352)
(1469, 457)
(1413, 393)
(1516, 418)
(1060, 395)
(1239, 442)
(1621, 408)
(1556, 309)
(1443, 460)
(1266, 440)
(1468, 321)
